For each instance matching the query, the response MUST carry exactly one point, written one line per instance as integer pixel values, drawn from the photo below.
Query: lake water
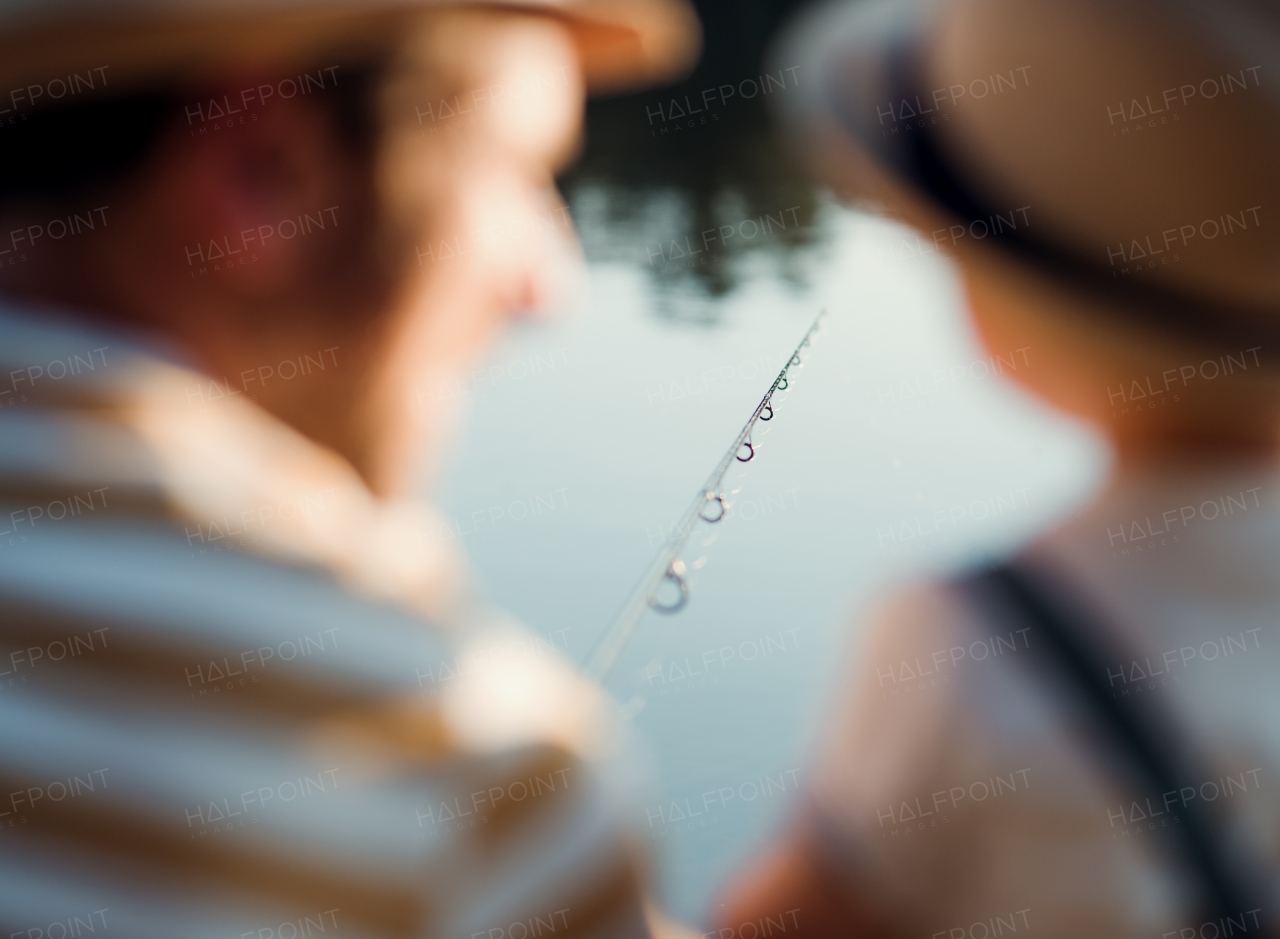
(899, 451)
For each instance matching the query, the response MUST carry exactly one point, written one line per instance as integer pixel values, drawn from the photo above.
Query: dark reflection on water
(692, 182)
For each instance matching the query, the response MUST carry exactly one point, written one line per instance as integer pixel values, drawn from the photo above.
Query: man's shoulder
(134, 584)
(235, 731)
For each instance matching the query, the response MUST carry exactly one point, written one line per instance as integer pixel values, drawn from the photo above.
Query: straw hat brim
(622, 44)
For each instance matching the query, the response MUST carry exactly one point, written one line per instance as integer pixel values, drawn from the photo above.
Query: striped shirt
(241, 697)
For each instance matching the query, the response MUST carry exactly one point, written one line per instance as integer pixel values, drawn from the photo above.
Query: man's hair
(60, 151)
(57, 153)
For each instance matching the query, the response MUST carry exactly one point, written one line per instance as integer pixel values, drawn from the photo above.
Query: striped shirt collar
(88, 409)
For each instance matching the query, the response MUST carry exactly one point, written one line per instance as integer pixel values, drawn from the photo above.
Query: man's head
(378, 204)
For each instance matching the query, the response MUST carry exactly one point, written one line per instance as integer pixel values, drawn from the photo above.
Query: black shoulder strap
(1060, 634)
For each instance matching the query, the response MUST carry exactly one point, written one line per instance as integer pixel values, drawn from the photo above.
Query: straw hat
(47, 45)
(1125, 150)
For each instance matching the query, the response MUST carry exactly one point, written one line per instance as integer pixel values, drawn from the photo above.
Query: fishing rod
(668, 565)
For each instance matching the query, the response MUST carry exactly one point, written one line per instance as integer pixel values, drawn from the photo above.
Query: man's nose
(546, 264)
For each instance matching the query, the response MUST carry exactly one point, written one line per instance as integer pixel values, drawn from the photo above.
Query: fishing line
(709, 507)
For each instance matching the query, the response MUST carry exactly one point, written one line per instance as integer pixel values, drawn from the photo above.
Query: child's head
(1155, 395)
(1105, 177)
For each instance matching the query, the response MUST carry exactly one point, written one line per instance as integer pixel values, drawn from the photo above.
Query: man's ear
(248, 195)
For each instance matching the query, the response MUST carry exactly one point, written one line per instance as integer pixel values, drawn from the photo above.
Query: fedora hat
(124, 43)
(1125, 150)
